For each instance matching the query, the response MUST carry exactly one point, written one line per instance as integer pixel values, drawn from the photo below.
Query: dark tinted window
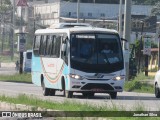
(43, 45)
(96, 52)
(29, 55)
(49, 45)
(37, 42)
(36, 45)
(56, 46)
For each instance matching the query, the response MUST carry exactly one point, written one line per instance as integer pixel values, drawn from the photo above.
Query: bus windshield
(96, 52)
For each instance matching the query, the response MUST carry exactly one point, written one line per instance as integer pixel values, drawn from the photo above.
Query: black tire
(91, 94)
(113, 95)
(68, 94)
(157, 91)
(52, 92)
(46, 91)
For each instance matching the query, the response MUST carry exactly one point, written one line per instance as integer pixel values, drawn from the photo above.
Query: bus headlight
(74, 76)
(118, 77)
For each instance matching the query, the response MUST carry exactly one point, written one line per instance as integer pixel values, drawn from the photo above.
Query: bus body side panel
(65, 72)
(36, 70)
(50, 72)
(53, 70)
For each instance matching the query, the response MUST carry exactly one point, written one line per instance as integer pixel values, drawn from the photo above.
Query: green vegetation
(16, 78)
(65, 106)
(8, 59)
(72, 106)
(137, 85)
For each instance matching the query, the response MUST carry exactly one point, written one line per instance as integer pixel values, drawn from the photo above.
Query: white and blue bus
(27, 58)
(70, 57)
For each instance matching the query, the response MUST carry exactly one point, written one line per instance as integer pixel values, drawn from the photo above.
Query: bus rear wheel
(113, 95)
(46, 91)
(157, 91)
(68, 94)
(52, 92)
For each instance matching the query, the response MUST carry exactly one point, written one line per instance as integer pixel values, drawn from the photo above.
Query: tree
(156, 10)
(5, 6)
(5, 10)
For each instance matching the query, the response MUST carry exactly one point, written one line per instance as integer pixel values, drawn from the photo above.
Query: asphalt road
(126, 100)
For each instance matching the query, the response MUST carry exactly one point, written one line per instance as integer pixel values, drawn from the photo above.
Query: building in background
(41, 13)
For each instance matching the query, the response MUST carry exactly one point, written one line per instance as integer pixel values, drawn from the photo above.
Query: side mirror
(122, 39)
(65, 39)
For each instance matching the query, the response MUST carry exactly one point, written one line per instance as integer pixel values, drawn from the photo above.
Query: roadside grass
(135, 118)
(73, 106)
(65, 106)
(8, 58)
(137, 85)
(141, 76)
(26, 78)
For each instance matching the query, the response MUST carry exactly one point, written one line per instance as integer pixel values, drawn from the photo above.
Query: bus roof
(75, 29)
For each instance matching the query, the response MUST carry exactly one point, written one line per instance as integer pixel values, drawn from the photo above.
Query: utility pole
(12, 31)
(127, 32)
(120, 18)
(158, 32)
(21, 53)
(3, 32)
(3, 28)
(22, 40)
(78, 10)
(141, 47)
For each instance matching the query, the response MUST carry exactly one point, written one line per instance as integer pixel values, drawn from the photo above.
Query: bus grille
(92, 86)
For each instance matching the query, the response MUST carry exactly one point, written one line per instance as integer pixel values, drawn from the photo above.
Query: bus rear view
(27, 58)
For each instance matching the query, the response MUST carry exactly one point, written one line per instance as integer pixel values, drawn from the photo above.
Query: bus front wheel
(113, 95)
(46, 91)
(157, 91)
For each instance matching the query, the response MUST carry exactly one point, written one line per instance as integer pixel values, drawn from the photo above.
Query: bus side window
(53, 38)
(56, 42)
(36, 45)
(43, 45)
(64, 54)
(57, 46)
(49, 45)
